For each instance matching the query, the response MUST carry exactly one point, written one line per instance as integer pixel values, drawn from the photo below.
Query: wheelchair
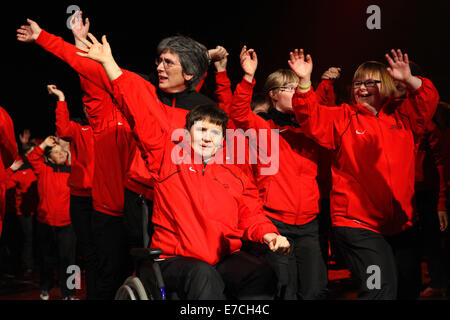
(148, 283)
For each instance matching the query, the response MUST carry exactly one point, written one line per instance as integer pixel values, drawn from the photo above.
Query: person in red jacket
(373, 144)
(303, 274)
(53, 228)
(216, 204)
(81, 139)
(8, 153)
(20, 176)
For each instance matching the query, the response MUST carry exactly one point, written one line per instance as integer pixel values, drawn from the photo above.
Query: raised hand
(79, 29)
(398, 65)
(28, 33)
(400, 70)
(100, 52)
(301, 65)
(217, 54)
(332, 73)
(249, 62)
(50, 141)
(58, 93)
(25, 136)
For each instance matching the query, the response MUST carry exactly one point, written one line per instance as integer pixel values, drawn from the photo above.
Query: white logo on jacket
(192, 169)
(360, 132)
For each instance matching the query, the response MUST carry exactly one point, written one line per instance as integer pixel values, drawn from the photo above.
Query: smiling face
(57, 155)
(367, 92)
(171, 77)
(372, 85)
(206, 138)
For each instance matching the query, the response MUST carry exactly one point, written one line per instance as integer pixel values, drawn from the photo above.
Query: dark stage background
(333, 32)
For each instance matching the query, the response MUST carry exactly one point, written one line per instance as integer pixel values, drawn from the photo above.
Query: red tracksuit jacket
(81, 149)
(53, 190)
(24, 183)
(200, 211)
(8, 153)
(373, 156)
(117, 162)
(291, 194)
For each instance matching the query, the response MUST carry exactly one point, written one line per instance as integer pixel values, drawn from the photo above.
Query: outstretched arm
(65, 128)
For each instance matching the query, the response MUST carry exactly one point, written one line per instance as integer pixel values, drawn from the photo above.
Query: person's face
(171, 77)
(367, 92)
(206, 138)
(58, 155)
(282, 97)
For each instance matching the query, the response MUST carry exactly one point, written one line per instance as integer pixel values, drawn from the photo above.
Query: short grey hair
(193, 56)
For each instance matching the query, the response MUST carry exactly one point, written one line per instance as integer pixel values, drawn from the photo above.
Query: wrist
(249, 77)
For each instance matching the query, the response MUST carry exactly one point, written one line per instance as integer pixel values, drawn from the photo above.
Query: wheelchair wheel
(132, 289)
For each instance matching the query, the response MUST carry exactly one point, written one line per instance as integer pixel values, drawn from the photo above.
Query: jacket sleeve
(67, 52)
(8, 145)
(321, 123)
(325, 93)
(223, 92)
(251, 217)
(65, 128)
(138, 102)
(420, 106)
(36, 159)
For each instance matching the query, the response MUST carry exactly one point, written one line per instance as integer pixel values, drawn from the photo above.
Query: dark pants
(114, 262)
(80, 214)
(433, 245)
(55, 243)
(136, 217)
(303, 273)
(394, 257)
(26, 222)
(238, 276)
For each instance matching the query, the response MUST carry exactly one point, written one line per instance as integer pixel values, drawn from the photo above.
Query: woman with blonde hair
(373, 152)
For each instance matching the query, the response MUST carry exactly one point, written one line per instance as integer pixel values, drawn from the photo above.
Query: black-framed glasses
(367, 83)
(284, 88)
(167, 63)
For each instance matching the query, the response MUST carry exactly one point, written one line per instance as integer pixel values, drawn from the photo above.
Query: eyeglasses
(166, 63)
(367, 83)
(284, 89)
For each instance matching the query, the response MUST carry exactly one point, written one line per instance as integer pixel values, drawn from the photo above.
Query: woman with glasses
(373, 150)
(290, 194)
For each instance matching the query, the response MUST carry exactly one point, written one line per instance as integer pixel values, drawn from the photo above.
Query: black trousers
(26, 222)
(433, 245)
(395, 257)
(136, 218)
(80, 214)
(114, 262)
(238, 276)
(55, 243)
(303, 273)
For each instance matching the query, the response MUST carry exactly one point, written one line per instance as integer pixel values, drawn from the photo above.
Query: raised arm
(325, 89)
(422, 97)
(8, 145)
(321, 123)
(67, 52)
(137, 100)
(65, 128)
(36, 156)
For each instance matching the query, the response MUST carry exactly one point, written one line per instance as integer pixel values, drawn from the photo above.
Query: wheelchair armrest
(143, 253)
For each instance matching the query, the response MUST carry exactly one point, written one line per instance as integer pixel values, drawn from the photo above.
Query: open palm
(301, 65)
(399, 68)
(100, 52)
